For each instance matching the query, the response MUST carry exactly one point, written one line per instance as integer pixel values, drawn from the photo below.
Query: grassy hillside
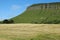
(36, 15)
(29, 32)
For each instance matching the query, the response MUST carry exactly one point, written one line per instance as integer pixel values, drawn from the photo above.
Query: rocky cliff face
(45, 6)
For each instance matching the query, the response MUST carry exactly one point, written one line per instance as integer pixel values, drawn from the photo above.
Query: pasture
(29, 31)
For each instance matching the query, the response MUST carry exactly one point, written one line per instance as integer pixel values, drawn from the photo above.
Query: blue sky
(12, 8)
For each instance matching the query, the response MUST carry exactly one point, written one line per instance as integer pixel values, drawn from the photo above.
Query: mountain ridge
(42, 3)
(39, 15)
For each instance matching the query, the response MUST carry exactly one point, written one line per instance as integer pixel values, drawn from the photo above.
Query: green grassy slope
(38, 15)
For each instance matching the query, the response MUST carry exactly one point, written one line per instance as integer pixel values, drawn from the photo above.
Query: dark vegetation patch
(6, 21)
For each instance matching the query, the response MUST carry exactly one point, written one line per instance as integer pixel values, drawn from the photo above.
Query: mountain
(40, 13)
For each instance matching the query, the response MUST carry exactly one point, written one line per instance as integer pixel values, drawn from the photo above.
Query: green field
(29, 31)
(32, 15)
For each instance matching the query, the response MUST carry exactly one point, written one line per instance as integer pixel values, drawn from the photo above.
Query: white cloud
(15, 7)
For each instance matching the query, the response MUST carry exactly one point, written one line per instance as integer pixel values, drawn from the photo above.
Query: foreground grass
(29, 32)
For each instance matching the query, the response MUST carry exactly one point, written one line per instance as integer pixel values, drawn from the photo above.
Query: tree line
(6, 21)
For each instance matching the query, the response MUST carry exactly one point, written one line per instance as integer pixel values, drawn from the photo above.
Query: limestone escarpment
(45, 6)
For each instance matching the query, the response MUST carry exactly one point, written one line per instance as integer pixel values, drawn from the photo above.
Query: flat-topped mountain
(40, 13)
